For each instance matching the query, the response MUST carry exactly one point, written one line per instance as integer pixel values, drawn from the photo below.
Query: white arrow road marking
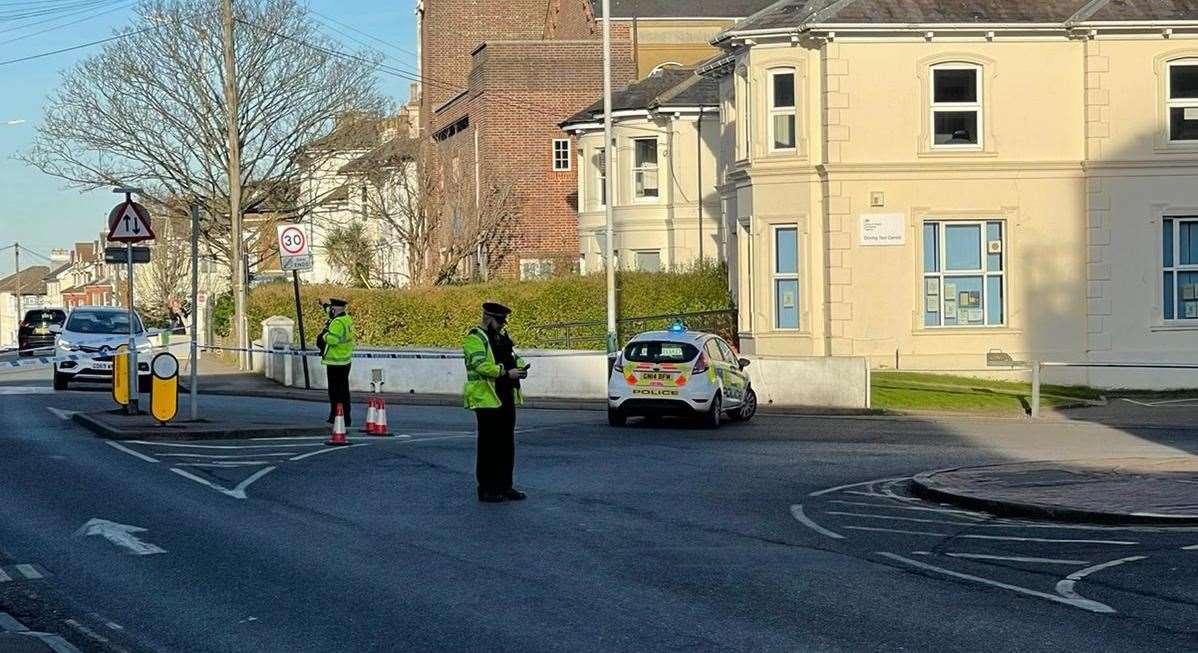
(120, 447)
(797, 512)
(1066, 587)
(237, 492)
(121, 535)
(1079, 602)
(4, 578)
(64, 415)
(29, 572)
(1193, 547)
(226, 464)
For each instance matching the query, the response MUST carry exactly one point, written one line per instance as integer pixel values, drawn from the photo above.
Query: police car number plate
(657, 376)
(101, 366)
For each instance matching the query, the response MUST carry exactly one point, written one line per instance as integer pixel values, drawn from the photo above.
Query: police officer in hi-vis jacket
(336, 345)
(493, 374)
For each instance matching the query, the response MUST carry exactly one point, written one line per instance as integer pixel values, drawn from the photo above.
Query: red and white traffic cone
(371, 415)
(380, 419)
(337, 438)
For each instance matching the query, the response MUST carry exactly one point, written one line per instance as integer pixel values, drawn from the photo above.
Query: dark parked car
(35, 332)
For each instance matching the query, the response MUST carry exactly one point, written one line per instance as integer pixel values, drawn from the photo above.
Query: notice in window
(879, 229)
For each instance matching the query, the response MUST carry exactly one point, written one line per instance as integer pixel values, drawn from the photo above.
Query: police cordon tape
(35, 362)
(287, 351)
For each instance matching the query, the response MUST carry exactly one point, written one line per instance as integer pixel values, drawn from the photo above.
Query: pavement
(1096, 490)
(781, 534)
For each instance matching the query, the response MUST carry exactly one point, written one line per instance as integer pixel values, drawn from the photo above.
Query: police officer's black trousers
(338, 390)
(496, 448)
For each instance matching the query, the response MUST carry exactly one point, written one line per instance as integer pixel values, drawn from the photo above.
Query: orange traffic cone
(337, 438)
(371, 415)
(380, 418)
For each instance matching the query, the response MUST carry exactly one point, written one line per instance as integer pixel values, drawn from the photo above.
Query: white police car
(679, 372)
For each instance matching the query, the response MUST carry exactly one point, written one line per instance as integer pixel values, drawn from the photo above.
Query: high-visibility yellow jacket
(338, 341)
(481, 372)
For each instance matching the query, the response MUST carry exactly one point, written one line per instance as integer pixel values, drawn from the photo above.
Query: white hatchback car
(98, 330)
(679, 372)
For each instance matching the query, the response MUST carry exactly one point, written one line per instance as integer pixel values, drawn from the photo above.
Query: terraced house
(921, 182)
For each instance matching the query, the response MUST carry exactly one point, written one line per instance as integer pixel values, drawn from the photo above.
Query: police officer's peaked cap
(496, 309)
(334, 301)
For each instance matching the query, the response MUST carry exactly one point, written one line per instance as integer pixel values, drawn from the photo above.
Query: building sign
(883, 229)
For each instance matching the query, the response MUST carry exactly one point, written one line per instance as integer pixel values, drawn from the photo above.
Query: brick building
(497, 79)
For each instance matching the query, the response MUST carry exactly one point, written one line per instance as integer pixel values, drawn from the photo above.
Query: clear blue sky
(34, 208)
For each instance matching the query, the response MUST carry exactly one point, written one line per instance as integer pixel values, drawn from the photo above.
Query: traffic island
(116, 425)
(1161, 491)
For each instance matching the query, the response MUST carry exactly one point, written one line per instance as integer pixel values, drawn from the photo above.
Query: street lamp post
(608, 158)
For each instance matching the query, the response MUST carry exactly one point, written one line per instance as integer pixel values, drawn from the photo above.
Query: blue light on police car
(677, 327)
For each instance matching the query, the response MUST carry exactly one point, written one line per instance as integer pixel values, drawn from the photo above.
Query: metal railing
(593, 334)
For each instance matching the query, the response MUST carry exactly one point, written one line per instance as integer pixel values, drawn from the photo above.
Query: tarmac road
(638, 539)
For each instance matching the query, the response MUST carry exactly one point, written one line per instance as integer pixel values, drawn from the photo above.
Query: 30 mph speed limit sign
(293, 248)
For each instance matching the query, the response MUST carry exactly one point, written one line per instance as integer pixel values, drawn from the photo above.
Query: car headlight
(145, 346)
(65, 344)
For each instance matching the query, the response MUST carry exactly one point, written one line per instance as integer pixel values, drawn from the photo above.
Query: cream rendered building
(666, 128)
(922, 183)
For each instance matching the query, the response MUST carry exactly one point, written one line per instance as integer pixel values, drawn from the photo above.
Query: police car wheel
(61, 381)
(747, 409)
(713, 417)
(616, 417)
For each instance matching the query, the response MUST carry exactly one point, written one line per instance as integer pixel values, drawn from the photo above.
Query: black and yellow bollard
(164, 387)
(120, 376)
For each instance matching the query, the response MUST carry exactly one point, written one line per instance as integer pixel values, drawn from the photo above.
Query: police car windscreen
(656, 351)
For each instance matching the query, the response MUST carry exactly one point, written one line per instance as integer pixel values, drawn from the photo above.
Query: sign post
(129, 223)
(294, 255)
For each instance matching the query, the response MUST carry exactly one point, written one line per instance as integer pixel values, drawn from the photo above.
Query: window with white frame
(782, 110)
(1180, 254)
(786, 277)
(644, 168)
(1182, 101)
(956, 111)
(964, 282)
(600, 158)
(648, 260)
(535, 268)
(561, 154)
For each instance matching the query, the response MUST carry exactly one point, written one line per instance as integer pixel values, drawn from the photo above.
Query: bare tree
(433, 212)
(166, 279)
(150, 111)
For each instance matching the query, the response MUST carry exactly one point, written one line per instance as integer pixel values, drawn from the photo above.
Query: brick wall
(452, 29)
(525, 90)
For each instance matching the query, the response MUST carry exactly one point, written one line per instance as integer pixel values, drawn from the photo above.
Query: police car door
(724, 373)
(738, 376)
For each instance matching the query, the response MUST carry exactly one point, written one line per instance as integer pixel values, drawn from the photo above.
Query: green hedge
(437, 317)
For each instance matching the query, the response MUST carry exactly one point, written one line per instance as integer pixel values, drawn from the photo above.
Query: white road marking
(1047, 561)
(217, 456)
(4, 578)
(223, 446)
(120, 447)
(895, 518)
(448, 437)
(1084, 604)
(122, 535)
(1154, 404)
(797, 512)
(1004, 538)
(1193, 547)
(237, 492)
(830, 490)
(1066, 587)
(29, 572)
(226, 464)
(951, 511)
(328, 450)
(10, 625)
(61, 414)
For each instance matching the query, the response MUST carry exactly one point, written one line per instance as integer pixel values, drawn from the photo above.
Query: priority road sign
(294, 252)
(129, 222)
